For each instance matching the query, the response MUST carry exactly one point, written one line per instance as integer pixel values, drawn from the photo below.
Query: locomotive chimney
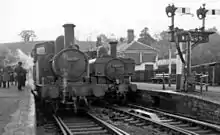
(59, 44)
(69, 39)
(113, 45)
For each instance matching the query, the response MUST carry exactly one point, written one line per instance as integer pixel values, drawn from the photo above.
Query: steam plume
(27, 63)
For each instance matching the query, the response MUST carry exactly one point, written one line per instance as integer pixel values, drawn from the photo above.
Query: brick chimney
(130, 35)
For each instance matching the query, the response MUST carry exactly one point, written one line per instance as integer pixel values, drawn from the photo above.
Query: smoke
(27, 63)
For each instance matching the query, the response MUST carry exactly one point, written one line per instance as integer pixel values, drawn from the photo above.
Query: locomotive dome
(102, 51)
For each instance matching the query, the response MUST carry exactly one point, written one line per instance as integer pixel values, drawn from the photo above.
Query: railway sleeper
(167, 120)
(184, 125)
(104, 132)
(86, 129)
(204, 132)
(192, 128)
(140, 124)
(130, 119)
(80, 123)
(124, 117)
(134, 122)
(174, 122)
(85, 126)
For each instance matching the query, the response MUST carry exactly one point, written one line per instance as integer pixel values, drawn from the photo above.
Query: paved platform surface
(213, 93)
(17, 112)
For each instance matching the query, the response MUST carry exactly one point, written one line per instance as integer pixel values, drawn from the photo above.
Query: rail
(190, 125)
(168, 128)
(60, 124)
(88, 124)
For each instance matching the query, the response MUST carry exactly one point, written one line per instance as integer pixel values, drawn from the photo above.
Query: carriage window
(41, 50)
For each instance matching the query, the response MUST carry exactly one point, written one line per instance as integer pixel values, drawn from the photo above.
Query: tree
(7, 55)
(103, 37)
(26, 35)
(207, 52)
(145, 37)
(163, 44)
(214, 29)
(99, 41)
(122, 39)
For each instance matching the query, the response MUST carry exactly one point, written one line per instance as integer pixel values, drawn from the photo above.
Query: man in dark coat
(20, 71)
(24, 81)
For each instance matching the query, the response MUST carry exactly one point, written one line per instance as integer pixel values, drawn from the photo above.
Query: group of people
(16, 76)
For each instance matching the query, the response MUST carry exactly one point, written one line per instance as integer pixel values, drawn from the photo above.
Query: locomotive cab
(42, 54)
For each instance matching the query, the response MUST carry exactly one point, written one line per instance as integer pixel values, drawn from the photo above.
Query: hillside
(25, 47)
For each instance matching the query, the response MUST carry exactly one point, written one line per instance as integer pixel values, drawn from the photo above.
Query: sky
(93, 17)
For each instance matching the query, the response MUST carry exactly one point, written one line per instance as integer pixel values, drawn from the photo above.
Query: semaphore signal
(202, 12)
(213, 12)
(184, 11)
(191, 37)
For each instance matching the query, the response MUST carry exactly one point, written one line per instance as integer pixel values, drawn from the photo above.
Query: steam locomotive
(65, 78)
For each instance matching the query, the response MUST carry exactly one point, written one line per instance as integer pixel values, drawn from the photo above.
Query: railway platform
(213, 93)
(203, 106)
(17, 112)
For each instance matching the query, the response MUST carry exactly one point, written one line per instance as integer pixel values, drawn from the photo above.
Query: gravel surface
(111, 117)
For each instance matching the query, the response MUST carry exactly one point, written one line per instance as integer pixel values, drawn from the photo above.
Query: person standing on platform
(15, 78)
(12, 78)
(20, 71)
(1, 79)
(6, 77)
(25, 75)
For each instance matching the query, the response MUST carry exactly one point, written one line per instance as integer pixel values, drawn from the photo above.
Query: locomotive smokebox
(59, 44)
(113, 45)
(69, 40)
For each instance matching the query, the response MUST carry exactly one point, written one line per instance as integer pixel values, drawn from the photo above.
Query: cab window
(40, 50)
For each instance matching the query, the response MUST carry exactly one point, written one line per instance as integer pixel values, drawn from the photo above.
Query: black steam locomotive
(65, 78)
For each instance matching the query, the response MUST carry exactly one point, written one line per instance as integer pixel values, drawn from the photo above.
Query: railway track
(189, 125)
(124, 115)
(86, 125)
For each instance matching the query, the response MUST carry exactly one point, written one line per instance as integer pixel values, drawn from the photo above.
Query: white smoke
(27, 62)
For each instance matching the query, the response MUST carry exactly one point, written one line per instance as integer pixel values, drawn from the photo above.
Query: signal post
(185, 80)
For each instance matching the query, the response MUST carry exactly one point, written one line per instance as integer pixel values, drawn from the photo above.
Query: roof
(206, 64)
(134, 45)
(86, 45)
(25, 47)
